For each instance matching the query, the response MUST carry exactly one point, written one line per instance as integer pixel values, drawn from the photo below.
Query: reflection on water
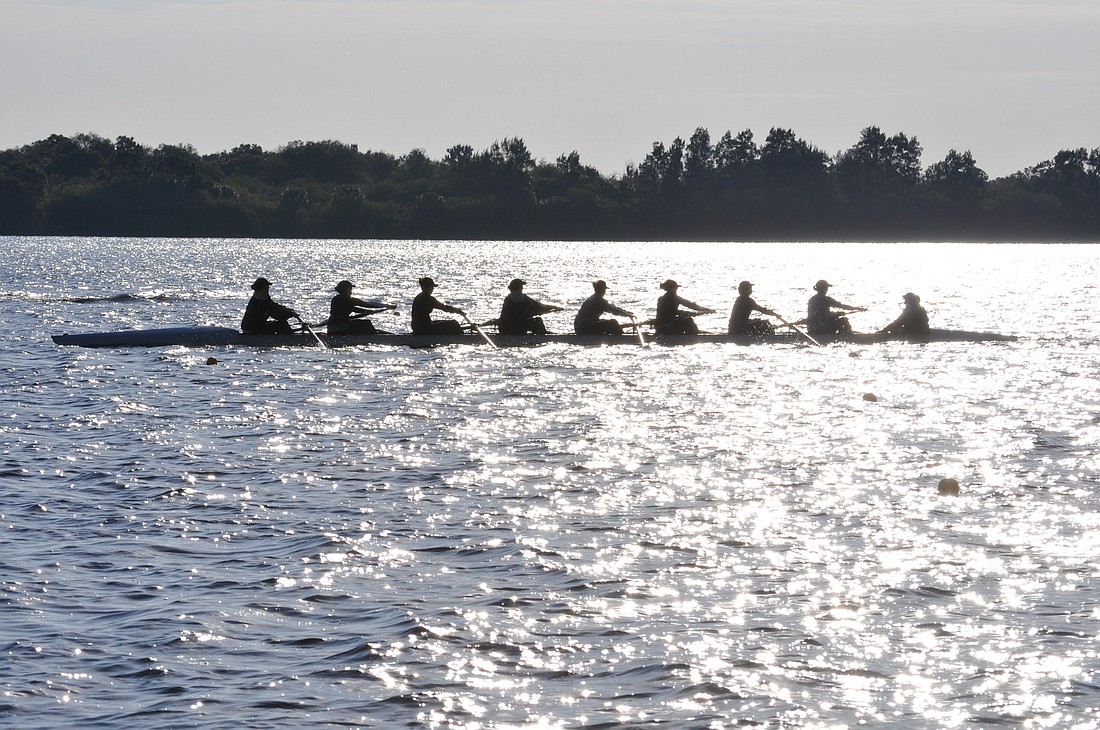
(555, 537)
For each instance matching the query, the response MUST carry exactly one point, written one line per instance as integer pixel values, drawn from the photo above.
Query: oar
(637, 330)
(307, 328)
(480, 332)
(796, 329)
(361, 315)
(653, 322)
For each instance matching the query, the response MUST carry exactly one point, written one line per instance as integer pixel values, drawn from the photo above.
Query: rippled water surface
(691, 537)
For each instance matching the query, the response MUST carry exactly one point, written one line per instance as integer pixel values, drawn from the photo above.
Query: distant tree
(294, 199)
(654, 167)
(429, 216)
(129, 158)
(956, 177)
(879, 167)
(699, 162)
(787, 161)
(734, 189)
(736, 158)
(566, 174)
(20, 190)
(244, 159)
(68, 158)
(328, 161)
(506, 168)
(459, 156)
(292, 214)
(417, 165)
(347, 214)
(574, 171)
(1072, 178)
(177, 162)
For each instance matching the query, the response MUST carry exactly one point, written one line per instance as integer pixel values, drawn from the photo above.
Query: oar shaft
(638, 331)
(796, 329)
(307, 328)
(480, 332)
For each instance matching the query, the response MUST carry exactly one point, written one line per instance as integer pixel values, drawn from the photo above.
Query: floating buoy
(870, 397)
(211, 361)
(949, 487)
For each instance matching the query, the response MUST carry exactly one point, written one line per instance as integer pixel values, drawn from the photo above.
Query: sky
(1014, 82)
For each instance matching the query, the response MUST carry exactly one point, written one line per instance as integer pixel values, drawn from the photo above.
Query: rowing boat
(228, 337)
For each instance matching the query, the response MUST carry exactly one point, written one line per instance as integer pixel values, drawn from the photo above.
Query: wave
(41, 298)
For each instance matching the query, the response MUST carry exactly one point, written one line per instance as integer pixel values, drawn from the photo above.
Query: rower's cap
(911, 297)
(744, 286)
(426, 281)
(344, 286)
(599, 284)
(822, 285)
(516, 284)
(260, 283)
(669, 285)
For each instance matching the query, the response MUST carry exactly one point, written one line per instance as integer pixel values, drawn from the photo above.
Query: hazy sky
(1012, 81)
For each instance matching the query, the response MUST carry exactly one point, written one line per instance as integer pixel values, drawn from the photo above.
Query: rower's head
(669, 285)
(426, 283)
(516, 285)
(822, 286)
(345, 287)
(599, 286)
(910, 298)
(745, 287)
(261, 284)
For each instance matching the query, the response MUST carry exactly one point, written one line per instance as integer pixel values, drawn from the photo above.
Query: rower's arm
(696, 307)
(618, 311)
(278, 311)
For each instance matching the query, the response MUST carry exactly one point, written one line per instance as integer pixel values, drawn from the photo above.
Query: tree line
(732, 189)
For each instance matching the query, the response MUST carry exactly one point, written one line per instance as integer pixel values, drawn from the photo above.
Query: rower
(263, 316)
(745, 305)
(588, 320)
(912, 324)
(347, 314)
(669, 319)
(821, 320)
(423, 306)
(520, 314)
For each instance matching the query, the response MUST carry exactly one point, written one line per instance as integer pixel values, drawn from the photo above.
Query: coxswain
(520, 314)
(670, 321)
(263, 316)
(821, 320)
(912, 324)
(588, 320)
(347, 314)
(743, 307)
(423, 306)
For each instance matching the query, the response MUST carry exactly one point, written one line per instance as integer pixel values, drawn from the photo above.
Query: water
(690, 537)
